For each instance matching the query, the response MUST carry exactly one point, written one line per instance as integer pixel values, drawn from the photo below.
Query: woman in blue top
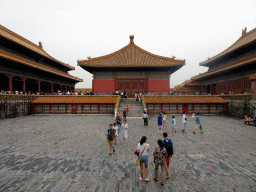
(160, 123)
(197, 124)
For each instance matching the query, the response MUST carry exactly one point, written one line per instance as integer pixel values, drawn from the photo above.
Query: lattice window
(213, 106)
(46, 106)
(110, 107)
(166, 106)
(204, 107)
(157, 106)
(179, 106)
(79, 107)
(220, 106)
(150, 106)
(86, 107)
(38, 107)
(62, 107)
(102, 106)
(54, 107)
(197, 106)
(69, 106)
(173, 106)
(94, 107)
(189, 106)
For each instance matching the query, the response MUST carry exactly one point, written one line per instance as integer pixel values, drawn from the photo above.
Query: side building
(25, 66)
(230, 70)
(131, 69)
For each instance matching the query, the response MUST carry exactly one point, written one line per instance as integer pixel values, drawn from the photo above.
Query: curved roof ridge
(234, 46)
(10, 34)
(126, 47)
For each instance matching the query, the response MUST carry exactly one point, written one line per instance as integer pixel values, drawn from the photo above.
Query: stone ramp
(135, 108)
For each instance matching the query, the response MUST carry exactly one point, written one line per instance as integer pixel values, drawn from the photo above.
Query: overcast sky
(73, 30)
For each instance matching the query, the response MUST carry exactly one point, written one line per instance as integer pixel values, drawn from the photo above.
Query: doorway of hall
(185, 108)
(131, 86)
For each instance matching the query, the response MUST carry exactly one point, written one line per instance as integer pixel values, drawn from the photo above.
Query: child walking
(174, 124)
(164, 120)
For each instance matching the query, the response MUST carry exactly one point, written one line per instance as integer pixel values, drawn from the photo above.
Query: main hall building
(131, 69)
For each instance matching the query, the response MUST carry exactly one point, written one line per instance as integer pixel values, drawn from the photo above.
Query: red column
(24, 84)
(66, 88)
(60, 88)
(242, 85)
(52, 87)
(39, 86)
(217, 88)
(10, 82)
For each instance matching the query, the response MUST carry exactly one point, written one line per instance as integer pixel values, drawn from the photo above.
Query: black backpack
(169, 147)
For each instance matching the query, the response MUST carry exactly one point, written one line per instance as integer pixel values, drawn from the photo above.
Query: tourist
(159, 160)
(137, 97)
(164, 120)
(122, 95)
(68, 93)
(16, 92)
(127, 110)
(118, 123)
(193, 116)
(116, 132)
(143, 154)
(184, 121)
(110, 138)
(168, 145)
(145, 117)
(124, 114)
(160, 123)
(197, 124)
(174, 124)
(125, 132)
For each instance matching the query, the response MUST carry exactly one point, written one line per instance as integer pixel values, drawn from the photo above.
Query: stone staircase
(135, 109)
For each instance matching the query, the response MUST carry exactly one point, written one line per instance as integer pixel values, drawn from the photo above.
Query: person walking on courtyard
(122, 95)
(159, 160)
(110, 138)
(116, 132)
(197, 124)
(145, 117)
(137, 97)
(174, 124)
(168, 145)
(164, 120)
(118, 123)
(125, 132)
(143, 149)
(184, 121)
(160, 123)
(127, 110)
(124, 114)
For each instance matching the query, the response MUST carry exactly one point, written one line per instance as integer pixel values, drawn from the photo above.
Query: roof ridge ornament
(244, 31)
(40, 45)
(131, 38)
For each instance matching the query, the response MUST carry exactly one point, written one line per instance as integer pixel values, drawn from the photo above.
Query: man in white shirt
(184, 121)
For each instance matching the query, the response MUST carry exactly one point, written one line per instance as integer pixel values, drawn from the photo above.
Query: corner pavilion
(131, 69)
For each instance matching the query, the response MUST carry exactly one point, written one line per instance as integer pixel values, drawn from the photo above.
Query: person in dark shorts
(168, 157)
(118, 123)
(124, 114)
(111, 138)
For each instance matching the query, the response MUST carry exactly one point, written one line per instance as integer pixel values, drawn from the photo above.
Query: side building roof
(130, 56)
(245, 39)
(179, 99)
(8, 34)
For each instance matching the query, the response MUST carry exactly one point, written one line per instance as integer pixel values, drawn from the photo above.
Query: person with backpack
(159, 160)
(168, 145)
(111, 138)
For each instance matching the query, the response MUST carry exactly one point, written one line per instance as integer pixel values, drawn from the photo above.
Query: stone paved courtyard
(69, 153)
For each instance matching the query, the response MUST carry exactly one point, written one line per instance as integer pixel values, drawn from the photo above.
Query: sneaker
(167, 176)
(114, 150)
(146, 180)
(141, 179)
(110, 153)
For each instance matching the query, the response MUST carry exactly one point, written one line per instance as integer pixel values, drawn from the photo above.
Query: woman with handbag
(143, 149)
(159, 160)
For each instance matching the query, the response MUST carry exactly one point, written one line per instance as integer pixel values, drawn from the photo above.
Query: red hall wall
(158, 85)
(103, 85)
